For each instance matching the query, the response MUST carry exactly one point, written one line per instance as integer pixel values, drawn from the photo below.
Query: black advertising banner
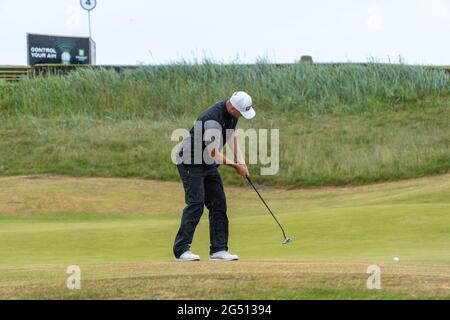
(47, 49)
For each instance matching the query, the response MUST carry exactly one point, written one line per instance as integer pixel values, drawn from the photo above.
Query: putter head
(287, 240)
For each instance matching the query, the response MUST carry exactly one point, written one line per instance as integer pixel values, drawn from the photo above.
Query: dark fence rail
(52, 69)
(13, 73)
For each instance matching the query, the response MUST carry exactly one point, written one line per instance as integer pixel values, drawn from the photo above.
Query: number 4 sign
(88, 5)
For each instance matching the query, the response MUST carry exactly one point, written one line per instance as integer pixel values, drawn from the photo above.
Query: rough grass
(120, 232)
(315, 150)
(344, 124)
(181, 90)
(242, 280)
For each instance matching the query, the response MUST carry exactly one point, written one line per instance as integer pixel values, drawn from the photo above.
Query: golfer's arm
(237, 149)
(220, 158)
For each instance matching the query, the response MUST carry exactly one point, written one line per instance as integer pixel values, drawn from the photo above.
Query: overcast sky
(151, 31)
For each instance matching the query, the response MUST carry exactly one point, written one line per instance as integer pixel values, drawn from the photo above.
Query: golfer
(198, 160)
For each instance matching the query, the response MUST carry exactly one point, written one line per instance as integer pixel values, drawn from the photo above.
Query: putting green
(118, 229)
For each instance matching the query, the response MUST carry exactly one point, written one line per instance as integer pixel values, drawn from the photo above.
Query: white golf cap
(242, 102)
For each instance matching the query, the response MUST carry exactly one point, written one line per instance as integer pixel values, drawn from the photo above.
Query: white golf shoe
(188, 256)
(224, 256)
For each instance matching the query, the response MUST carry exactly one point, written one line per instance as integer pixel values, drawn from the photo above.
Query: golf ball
(396, 259)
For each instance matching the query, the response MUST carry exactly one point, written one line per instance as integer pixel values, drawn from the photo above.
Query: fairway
(120, 232)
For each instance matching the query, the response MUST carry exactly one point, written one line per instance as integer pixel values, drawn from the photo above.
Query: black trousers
(202, 187)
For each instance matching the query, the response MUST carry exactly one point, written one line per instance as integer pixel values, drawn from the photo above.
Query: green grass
(345, 124)
(339, 125)
(315, 150)
(181, 90)
(338, 233)
(406, 232)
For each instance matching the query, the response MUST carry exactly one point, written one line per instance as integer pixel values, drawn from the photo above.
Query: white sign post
(89, 5)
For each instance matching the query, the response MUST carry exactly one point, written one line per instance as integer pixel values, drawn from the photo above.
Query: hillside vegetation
(345, 124)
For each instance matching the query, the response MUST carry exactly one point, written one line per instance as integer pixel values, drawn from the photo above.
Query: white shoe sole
(187, 260)
(226, 260)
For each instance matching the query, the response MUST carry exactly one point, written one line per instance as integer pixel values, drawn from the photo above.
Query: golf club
(286, 239)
